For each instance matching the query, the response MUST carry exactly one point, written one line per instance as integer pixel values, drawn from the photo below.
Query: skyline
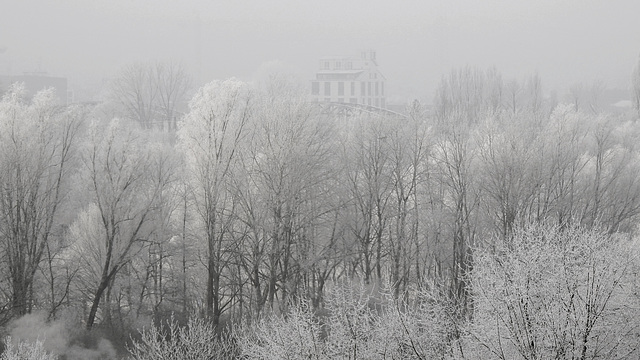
(417, 42)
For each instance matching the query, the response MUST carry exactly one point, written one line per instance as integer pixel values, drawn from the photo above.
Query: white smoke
(57, 337)
(34, 327)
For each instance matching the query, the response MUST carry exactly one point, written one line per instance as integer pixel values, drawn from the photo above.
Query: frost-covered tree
(37, 141)
(126, 175)
(211, 137)
(288, 173)
(298, 336)
(508, 168)
(555, 293)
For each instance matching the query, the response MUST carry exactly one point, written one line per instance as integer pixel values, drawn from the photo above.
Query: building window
(369, 90)
(362, 86)
(327, 65)
(315, 88)
(327, 88)
(376, 89)
(353, 100)
(353, 88)
(382, 88)
(382, 103)
(340, 100)
(341, 88)
(369, 101)
(377, 102)
(338, 65)
(349, 65)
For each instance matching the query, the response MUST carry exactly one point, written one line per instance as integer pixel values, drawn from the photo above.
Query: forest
(237, 220)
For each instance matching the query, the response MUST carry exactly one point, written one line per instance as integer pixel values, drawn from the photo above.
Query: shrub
(296, 336)
(361, 324)
(198, 340)
(25, 350)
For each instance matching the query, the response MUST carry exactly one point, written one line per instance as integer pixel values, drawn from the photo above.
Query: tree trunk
(104, 283)
(19, 298)
(213, 292)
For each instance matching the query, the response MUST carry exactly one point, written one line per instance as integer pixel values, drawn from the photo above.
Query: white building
(350, 80)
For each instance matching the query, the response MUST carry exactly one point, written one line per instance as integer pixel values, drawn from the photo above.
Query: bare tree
(576, 96)
(370, 179)
(462, 94)
(454, 157)
(635, 87)
(409, 151)
(135, 90)
(151, 93)
(495, 90)
(560, 164)
(610, 176)
(534, 94)
(173, 84)
(514, 90)
(594, 97)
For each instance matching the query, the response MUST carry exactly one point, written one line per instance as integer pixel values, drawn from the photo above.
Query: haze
(417, 42)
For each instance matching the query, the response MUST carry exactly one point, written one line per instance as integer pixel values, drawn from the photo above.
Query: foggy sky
(417, 42)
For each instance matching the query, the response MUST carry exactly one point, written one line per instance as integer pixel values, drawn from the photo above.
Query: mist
(417, 42)
(286, 179)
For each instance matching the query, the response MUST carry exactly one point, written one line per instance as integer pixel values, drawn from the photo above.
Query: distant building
(350, 80)
(35, 82)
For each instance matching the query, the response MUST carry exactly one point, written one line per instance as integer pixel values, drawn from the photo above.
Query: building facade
(354, 80)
